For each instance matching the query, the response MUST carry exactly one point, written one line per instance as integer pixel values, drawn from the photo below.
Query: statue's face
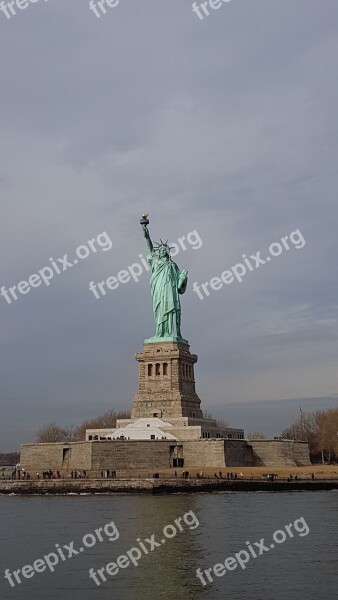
(163, 252)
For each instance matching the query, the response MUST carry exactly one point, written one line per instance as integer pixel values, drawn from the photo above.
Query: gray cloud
(227, 126)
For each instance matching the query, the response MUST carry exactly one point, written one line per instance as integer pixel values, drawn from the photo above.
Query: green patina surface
(167, 283)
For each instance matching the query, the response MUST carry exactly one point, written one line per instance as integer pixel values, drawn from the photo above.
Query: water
(300, 568)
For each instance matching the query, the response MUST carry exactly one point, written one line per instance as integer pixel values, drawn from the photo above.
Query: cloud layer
(227, 126)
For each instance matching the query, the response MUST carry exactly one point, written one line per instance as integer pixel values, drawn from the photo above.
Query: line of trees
(256, 435)
(9, 459)
(320, 430)
(220, 422)
(51, 432)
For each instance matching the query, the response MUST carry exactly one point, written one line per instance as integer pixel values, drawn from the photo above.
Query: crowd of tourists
(108, 474)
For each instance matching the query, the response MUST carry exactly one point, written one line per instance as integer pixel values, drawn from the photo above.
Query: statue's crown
(162, 244)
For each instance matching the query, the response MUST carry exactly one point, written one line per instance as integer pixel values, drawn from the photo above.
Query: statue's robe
(166, 283)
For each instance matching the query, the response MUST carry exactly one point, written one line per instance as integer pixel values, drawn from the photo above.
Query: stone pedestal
(166, 386)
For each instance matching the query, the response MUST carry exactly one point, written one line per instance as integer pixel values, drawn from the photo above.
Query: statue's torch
(144, 221)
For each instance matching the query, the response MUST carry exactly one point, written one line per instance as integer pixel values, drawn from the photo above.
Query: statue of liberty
(167, 282)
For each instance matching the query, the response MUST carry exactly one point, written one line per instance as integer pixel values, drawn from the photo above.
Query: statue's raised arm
(144, 222)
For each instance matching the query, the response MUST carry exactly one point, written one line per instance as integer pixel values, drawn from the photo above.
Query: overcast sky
(226, 126)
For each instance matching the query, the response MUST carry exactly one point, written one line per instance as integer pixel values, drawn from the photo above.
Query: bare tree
(256, 435)
(320, 430)
(208, 416)
(331, 426)
(223, 423)
(106, 421)
(326, 441)
(50, 432)
(220, 422)
(71, 433)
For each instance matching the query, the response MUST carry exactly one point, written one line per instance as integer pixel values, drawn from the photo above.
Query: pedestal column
(166, 382)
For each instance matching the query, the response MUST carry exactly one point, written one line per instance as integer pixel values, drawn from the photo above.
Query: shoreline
(159, 486)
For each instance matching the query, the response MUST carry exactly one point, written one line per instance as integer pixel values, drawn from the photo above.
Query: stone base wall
(204, 453)
(131, 454)
(148, 456)
(141, 456)
(57, 457)
(238, 453)
(302, 454)
(280, 453)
